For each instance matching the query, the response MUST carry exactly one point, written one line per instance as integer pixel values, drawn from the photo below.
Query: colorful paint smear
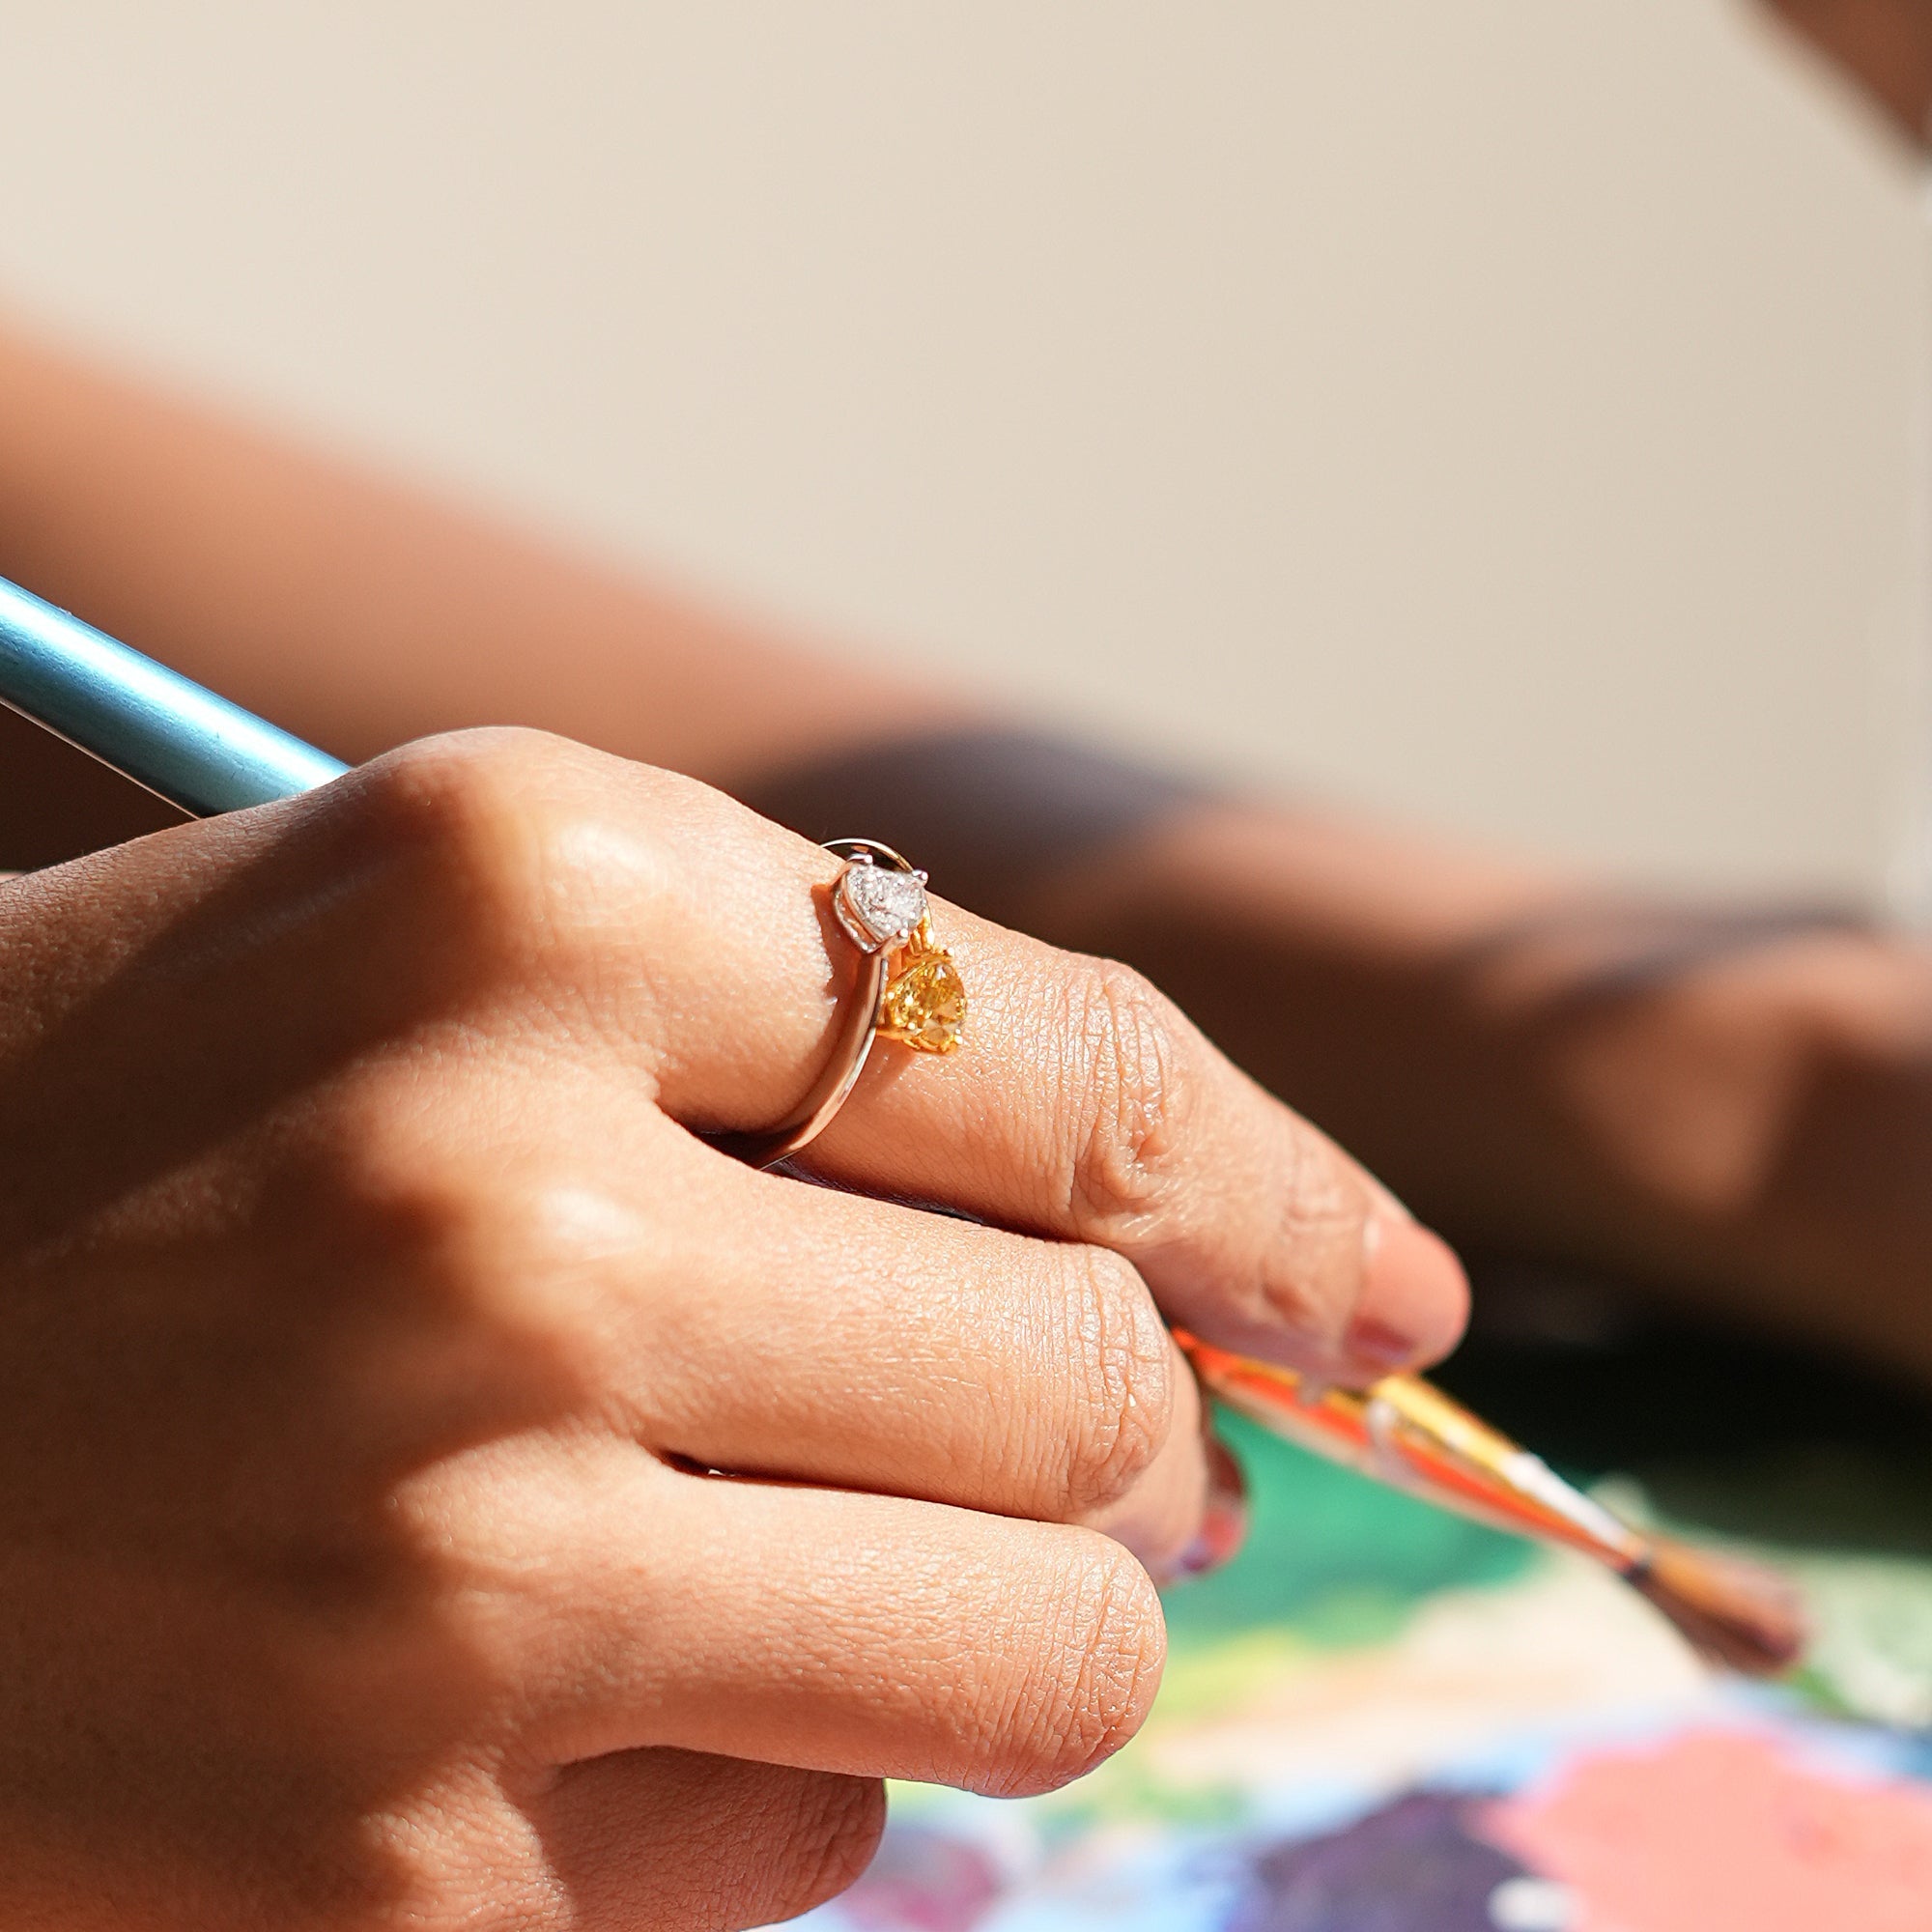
(1383, 1720)
(1417, 1862)
(1714, 1830)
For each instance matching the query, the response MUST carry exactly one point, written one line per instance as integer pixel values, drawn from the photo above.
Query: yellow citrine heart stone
(926, 1004)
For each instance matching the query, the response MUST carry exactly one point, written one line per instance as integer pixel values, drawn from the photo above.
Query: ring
(906, 988)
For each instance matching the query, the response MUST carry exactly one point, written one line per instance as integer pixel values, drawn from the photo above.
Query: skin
(375, 1335)
(1539, 1066)
(1734, 1121)
(1884, 47)
(439, 1489)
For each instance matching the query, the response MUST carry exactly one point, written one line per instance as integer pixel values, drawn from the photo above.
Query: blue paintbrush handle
(152, 724)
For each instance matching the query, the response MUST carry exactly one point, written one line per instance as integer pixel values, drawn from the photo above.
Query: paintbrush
(1406, 1433)
(150, 724)
(207, 756)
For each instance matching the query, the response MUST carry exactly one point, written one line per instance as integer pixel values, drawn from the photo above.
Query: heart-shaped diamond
(879, 906)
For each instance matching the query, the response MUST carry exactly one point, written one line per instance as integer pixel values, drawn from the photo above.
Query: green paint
(1871, 1657)
(1332, 1561)
(1851, 1529)
(1331, 1557)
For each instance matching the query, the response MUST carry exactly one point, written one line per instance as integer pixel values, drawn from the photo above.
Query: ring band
(906, 987)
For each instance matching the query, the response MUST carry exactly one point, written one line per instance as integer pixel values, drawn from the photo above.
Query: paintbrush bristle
(1735, 1613)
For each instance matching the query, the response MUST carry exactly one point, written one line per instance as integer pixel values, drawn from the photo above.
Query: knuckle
(390, 1178)
(1128, 1047)
(1318, 1248)
(1124, 1379)
(456, 817)
(452, 1228)
(512, 854)
(1106, 1643)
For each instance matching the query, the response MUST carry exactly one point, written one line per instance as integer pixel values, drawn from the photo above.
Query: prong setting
(878, 907)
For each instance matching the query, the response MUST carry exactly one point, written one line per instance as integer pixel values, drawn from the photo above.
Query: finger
(829, 1338)
(640, 1605)
(1086, 1106)
(1089, 1107)
(760, 1327)
(677, 1841)
(660, 923)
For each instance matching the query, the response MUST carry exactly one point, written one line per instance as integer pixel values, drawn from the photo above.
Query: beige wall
(1498, 411)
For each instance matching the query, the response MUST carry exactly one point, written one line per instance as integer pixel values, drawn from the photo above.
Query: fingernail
(1224, 1522)
(1414, 1298)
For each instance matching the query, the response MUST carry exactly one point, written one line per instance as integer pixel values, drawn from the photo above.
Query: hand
(1747, 1105)
(1729, 1106)
(373, 1331)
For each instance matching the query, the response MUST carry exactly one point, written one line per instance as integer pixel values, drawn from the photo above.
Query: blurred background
(1500, 413)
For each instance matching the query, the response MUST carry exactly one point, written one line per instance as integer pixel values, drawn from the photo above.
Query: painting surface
(1380, 1719)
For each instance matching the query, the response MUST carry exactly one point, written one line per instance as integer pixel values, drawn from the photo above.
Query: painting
(1382, 1718)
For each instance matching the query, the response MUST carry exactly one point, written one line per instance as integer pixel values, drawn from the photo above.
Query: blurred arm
(360, 613)
(1732, 1105)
